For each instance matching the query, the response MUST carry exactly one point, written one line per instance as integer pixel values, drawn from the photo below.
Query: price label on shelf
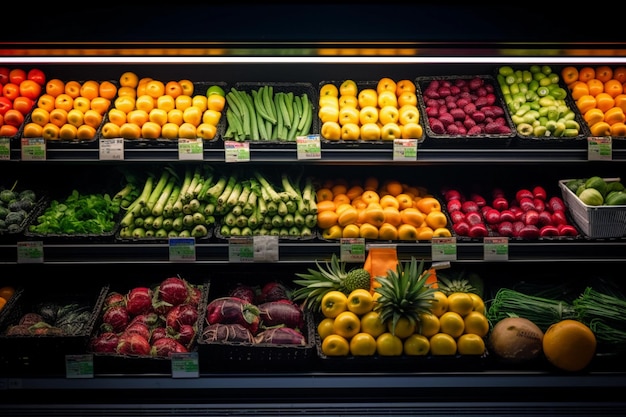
(236, 151)
(240, 249)
(190, 149)
(185, 365)
(496, 248)
(352, 249)
(79, 366)
(600, 148)
(308, 147)
(5, 149)
(405, 149)
(182, 249)
(33, 149)
(30, 252)
(265, 248)
(444, 249)
(111, 149)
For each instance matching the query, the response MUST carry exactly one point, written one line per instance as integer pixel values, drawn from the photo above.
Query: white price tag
(309, 147)
(404, 149)
(79, 366)
(444, 249)
(241, 249)
(182, 249)
(496, 248)
(185, 365)
(352, 249)
(600, 148)
(111, 149)
(265, 248)
(236, 151)
(190, 149)
(33, 149)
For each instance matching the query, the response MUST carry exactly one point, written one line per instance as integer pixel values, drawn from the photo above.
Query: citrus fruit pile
(370, 209)
(6, 293)
(456, 325)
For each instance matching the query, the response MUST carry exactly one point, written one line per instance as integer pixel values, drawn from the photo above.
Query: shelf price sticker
(182, 249)
(30, 252)
(111, 149)
(352, 249)
(236, 151)
(185, 365)
(33, 149)
(241, 249)
(190, 149)
(5, 149)
(308, 147)
(444, 249)
(405, 149)
(79, 366)
(496, 248)
(600, 148)
(265, 248)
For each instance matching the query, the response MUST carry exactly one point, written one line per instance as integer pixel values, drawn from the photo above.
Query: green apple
(215, 89)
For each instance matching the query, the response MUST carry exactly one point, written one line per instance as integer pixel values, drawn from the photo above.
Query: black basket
(574, 142)
(199, 88)
(46, 353)
(297, 89)
(482, 140)
(108, 363)
(253, 357)
(13, 232)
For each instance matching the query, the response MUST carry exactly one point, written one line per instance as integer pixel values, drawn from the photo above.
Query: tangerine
(586, 73)
(327, 218)
(613, 88)
(323, 194)
(604, 73)
(569, 345)
(394, 187)
(619, 73)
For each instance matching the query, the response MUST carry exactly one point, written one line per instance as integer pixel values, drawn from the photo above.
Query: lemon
(460, 302)
(442, 344)
(470, 344)
(452, 323)
(388, 344)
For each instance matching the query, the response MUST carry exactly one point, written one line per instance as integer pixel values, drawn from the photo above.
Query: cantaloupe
(516, 339)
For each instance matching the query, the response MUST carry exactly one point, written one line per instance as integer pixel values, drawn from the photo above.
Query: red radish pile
(150, 321)
(255, 315)
(529, 214)
(464, 107)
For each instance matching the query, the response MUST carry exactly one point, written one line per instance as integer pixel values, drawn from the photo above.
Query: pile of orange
(6, 293)
(387, 211)
(600, 95)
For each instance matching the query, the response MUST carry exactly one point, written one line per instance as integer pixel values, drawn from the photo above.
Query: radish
(104, 343)
(165, 346)
(281, 336)
(139, 301)
(133, 344)
(226, 333)
(229, 310)
(115, 318)
(181, 314)
(282, 312)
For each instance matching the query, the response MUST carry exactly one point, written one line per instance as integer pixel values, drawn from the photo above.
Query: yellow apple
(388, 114)
(33, 130)
(100, 104)
(50, 131)
(92, 118)
(408, 113)
(199, 101)
(386, 84)
(85, 132)
(348, 101)
(348, 88)
(350, 131)
(138, 117)
(68, 132)
(390, 131)
(82, 103)
(368, 114)
(405, 85)
(387, 98)
(166, 102)
(370, 131)
(412, 131)
(329, 89)
(127, 91)
(150, 130)
(124, 103)
(187, 131)
(40, 116)
(110, 130)
(211, 117)
(348, 115)
(331, 130)
(58, 117)
(169, 131)
(407, 97)
(64, 101)
(145, 103)
(158, 116)
(183, 101)
(329, 101)
(368, 97)
(155, 88)
(117, 116)
(328, 114)
(216, 102)
(187, 86)
(175, 116)
(129, 79)
(192, 115)
(46, 101)
(206, 131)
(130, 131)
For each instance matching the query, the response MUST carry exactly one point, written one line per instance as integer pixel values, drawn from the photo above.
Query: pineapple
(328, 277)
(404, 293)
(455, 284)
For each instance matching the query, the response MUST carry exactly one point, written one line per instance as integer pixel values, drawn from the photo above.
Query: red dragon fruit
(104, 343)
(139, 301)
(133, 344)
(165, 346)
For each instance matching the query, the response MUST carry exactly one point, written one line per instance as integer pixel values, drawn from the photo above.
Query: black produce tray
(360, 143)
(484, 140)
(249, 357)
(107, 363)
(141, 143)
(31, 354)
(574, 142)
(297, 88)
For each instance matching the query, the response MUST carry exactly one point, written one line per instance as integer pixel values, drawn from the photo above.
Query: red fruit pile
(19, 91)
(464, 107)
(530, 214)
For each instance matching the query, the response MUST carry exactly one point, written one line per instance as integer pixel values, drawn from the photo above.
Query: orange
(323, 194)
(613, 88)
(325, 327)
(429, 324)
(335, 345)
(54, 87)
(370, 196)
(460, 302)
(604, 73)
(354, 192)
(371, 184)
(412, 216)
(326, 205)
(439, 305)
(85, 132)
(351, 231)
(371, 323)
(374, 214)
(129, 79)
(64, 101)
(452, 323)
(436, 219)
(407, 232)
(333, 232)
(368, 231)
(479, 303)
(341, 198)
(394, 187)
(388, 344)
(425, 233)
(428, 204)
(3, 302)
(72, 88)
(389, 201)
(128, 91)
(569, 345)
(7, 292)
(614, 115)
(442, 344)
(358, 203)
(339, 188)
(586, 73)
(470, 344)
(363, 344)
(569, 74)
(326, 219)
(107, 90)
(347, 324)
(90, 89)
(404, 201)
(387, 231)
(604, 102)
(585, 103)
(619, 73)
(403, 327)
(579, 89)
(476, 323)
(595, 86)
